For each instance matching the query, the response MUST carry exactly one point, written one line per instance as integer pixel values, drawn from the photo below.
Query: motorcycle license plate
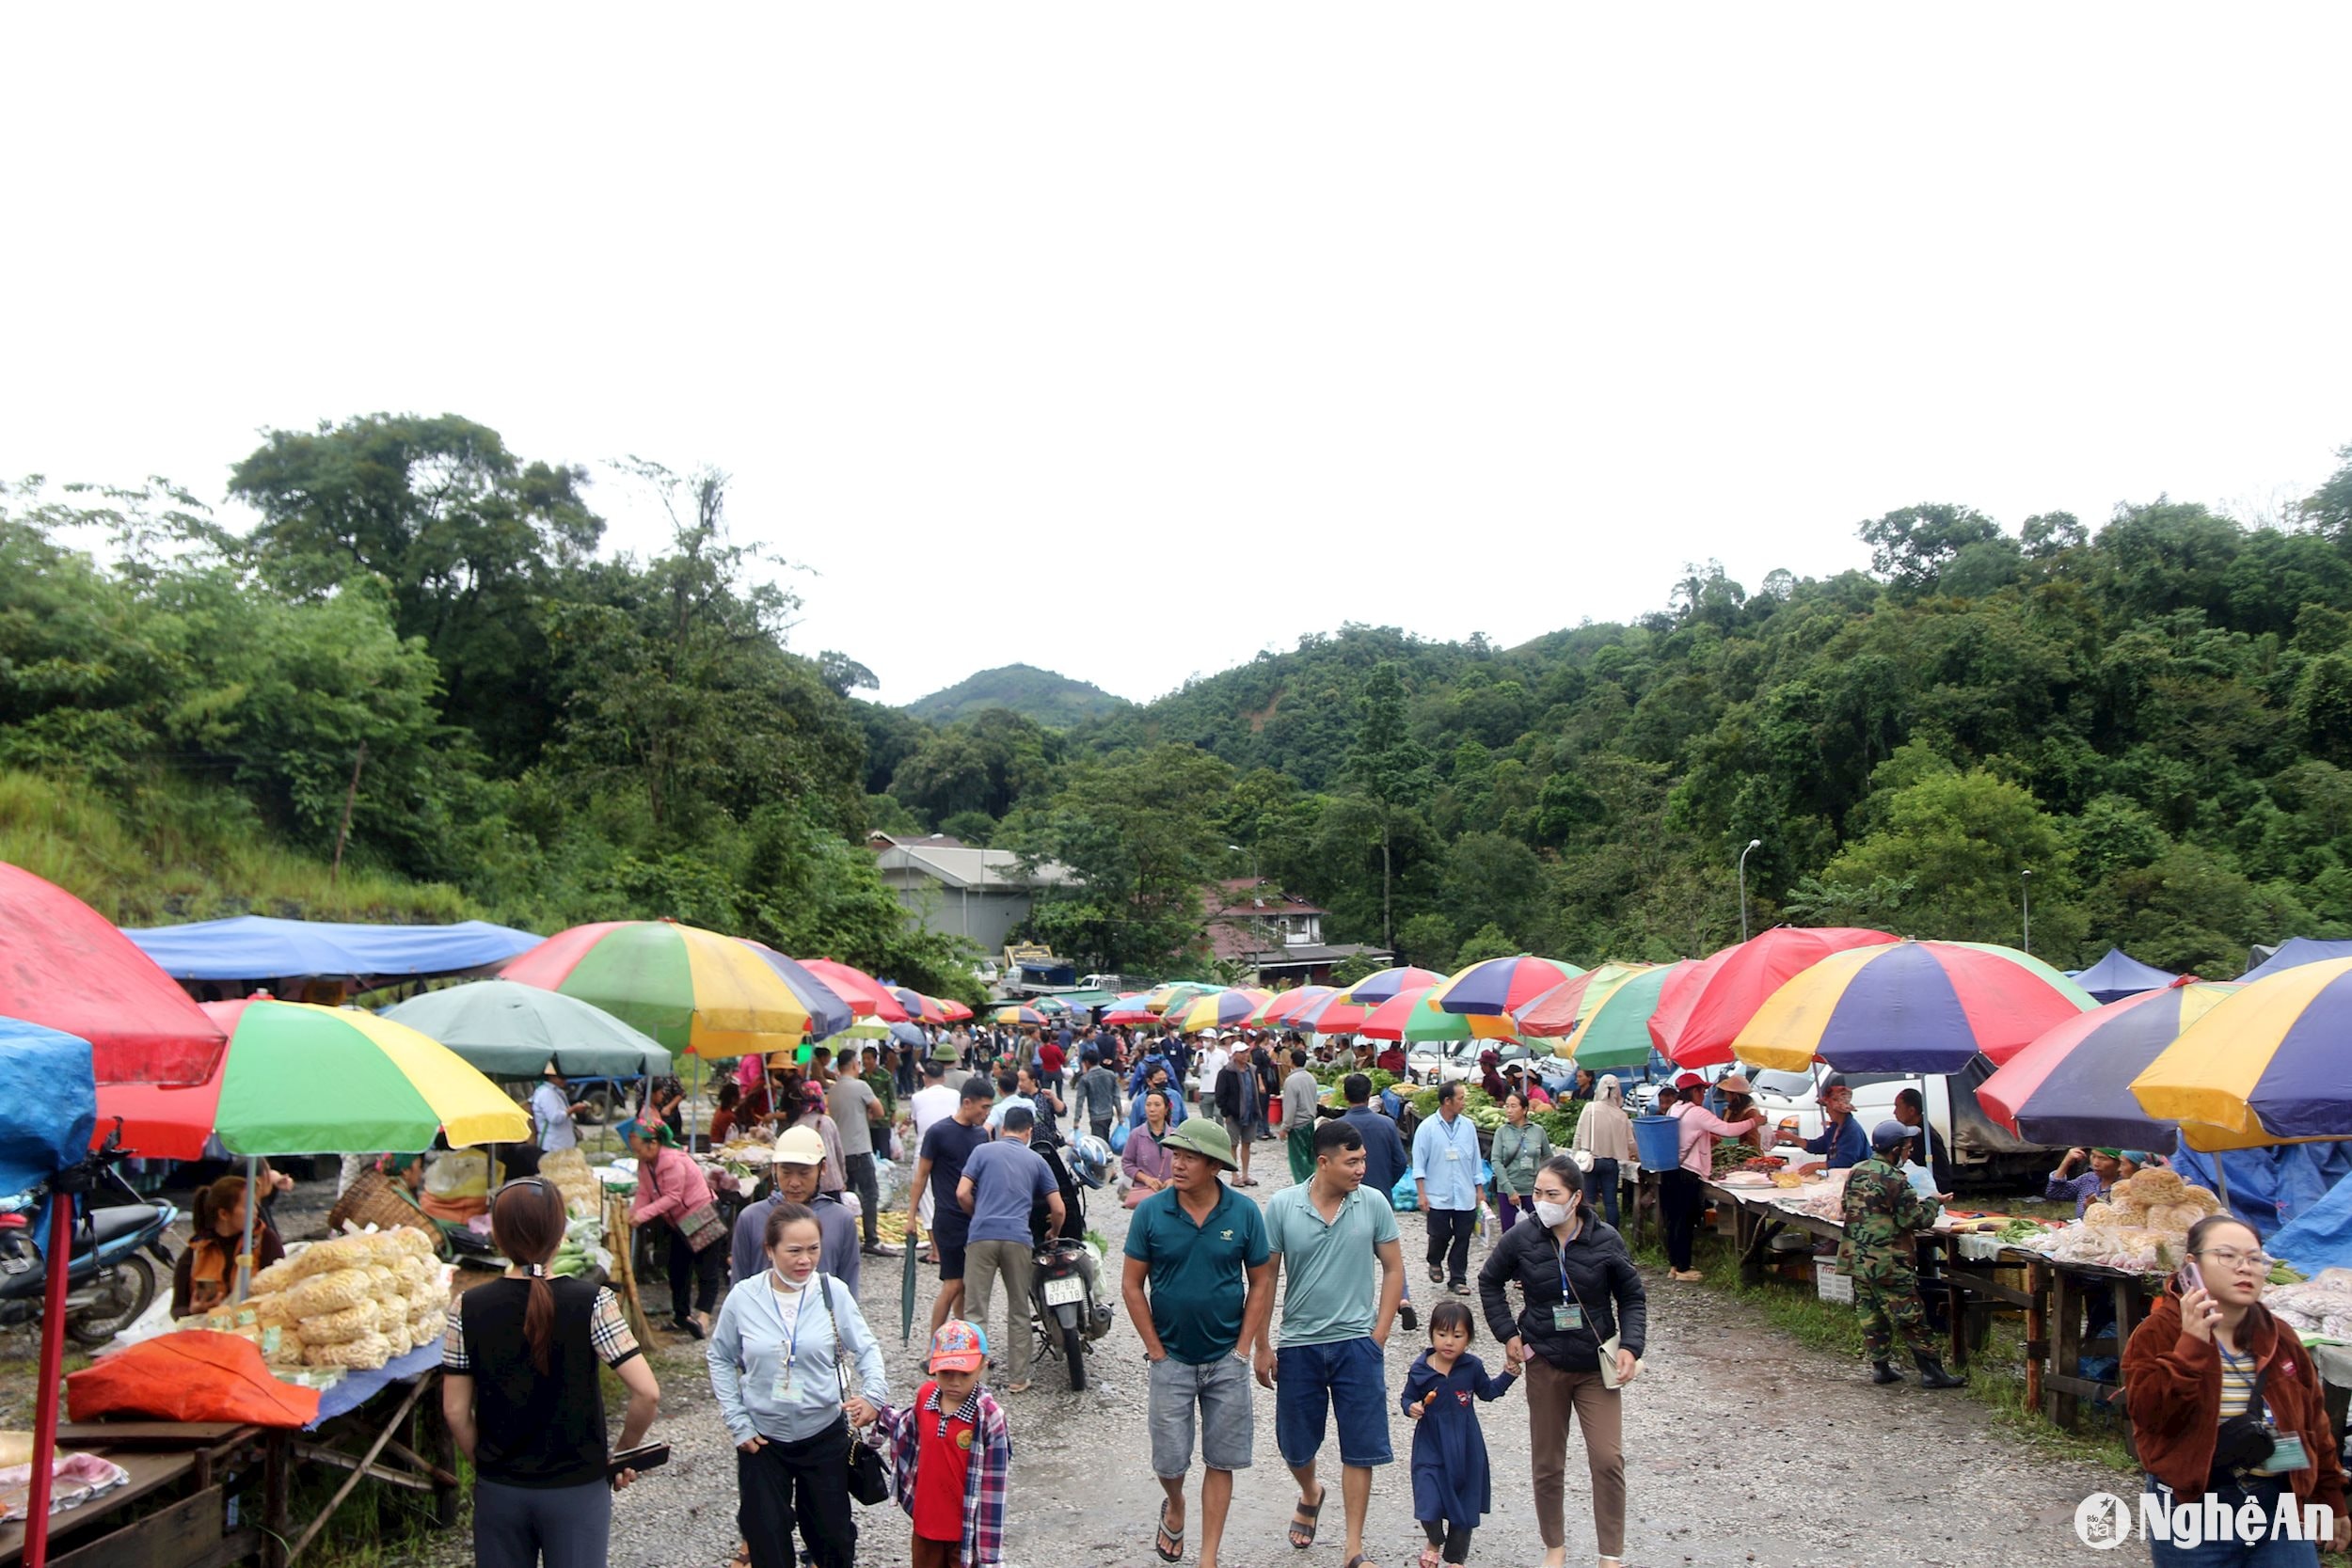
(1061, 1292)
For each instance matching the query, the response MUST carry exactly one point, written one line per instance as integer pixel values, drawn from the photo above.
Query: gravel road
(1835, 1471)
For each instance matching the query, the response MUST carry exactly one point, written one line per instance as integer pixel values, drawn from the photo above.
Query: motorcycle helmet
(1089, 1160)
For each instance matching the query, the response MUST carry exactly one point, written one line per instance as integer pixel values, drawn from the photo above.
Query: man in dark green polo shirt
(1199, 1284)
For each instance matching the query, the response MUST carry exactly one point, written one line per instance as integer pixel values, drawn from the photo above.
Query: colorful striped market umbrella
(1381, 983)
(956, 1013)
(1910, 1007)
(1557, 1013)
(1415, 1018)
(693, 990)
(1275, 1012)
(1016, 1014)
(919, 1008)
(828, 1015)
(299, 1079)
(2271, 1063)
(1131, 1008)
(1499, 985)
(2073, 1084)
(866, 995)
(1615, 1034)
(1702, 1011)
(1332, 1014)
(1223, 1009)
(1166, 997)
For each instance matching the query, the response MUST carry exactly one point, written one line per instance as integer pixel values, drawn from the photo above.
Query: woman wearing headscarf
(671, 1192)
(386, 1194)
(1604, 1134)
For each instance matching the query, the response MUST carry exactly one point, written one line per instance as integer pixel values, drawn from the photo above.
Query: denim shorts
(1347, 1378)
(1221, 1390)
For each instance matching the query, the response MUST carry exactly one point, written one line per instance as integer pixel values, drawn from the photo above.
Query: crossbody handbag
(701, 1224)
(867, 1482)
(1609, 1346)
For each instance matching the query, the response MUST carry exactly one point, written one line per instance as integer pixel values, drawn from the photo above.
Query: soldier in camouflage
(1881, 1211)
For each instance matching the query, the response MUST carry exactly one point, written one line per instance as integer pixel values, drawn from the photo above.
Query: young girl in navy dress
(1452, 1489)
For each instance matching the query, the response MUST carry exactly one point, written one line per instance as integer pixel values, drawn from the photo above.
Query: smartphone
(2191, 1278)
(652, 1456)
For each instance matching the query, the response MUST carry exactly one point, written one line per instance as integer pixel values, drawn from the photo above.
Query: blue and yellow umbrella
(2271, 1063)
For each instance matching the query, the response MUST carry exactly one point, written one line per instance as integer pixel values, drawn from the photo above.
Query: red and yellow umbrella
(1016, 1014)
(692, 990)
(1557, 1012)
(1702, 1010)
(919, 1008)
(1276, 1009)
(298, 1079)
(866, 996)
(953, 1011)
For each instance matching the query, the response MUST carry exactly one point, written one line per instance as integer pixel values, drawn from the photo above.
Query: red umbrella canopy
(953, 1011)
(1700, 1014)
(1387, 1020)
(865, 994)
(918, 1007)
(64, 967)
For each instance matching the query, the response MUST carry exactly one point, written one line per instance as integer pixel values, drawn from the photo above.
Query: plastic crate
(1829, 1284)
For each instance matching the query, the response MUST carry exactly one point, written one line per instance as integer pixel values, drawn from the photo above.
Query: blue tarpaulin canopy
(255, 947)
(2296, 951)
(2321, 1236)
(48, 1103)
(2273, 1187)
(2119, 975)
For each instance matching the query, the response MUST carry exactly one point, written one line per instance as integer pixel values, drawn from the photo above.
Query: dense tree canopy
(2148, 724)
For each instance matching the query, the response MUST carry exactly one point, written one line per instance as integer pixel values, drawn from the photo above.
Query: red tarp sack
(189, 1376)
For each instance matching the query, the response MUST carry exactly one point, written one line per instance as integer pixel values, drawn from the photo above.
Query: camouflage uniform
(1881, 1210)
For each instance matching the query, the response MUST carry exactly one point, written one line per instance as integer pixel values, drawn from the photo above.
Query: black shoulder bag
(868, 1484)
(2246, 1440)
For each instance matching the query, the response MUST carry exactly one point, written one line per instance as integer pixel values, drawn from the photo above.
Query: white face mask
(1550, 1214)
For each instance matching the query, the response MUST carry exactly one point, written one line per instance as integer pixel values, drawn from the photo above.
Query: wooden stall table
(186, 1463)
(2073, 1286)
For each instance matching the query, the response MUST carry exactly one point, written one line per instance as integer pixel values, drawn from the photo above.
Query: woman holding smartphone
(2224, 1401)
(521, 1392)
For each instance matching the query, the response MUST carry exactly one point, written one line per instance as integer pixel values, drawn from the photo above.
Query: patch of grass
(1995, 1373)
(177, 851)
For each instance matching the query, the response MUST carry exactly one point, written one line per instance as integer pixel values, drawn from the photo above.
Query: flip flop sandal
(1174, 1550)
(1359, 1560)
(1303, 1517)
(1431, 1557)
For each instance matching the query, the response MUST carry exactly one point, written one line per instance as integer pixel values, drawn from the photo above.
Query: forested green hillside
(1053, 700)
(2154, 720)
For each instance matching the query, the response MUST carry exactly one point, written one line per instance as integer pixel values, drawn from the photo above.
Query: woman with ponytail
(519, 1388)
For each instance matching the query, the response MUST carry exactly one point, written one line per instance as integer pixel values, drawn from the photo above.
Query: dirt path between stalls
(1826, 1471)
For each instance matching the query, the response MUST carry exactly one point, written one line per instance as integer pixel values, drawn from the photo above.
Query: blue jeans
(2230, 1552)
(1601, 1187)
(1345, 1378)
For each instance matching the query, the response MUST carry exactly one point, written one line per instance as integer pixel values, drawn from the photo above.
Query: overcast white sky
(1127, 341)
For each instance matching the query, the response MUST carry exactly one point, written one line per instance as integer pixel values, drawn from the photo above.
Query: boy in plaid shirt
(951, 1456)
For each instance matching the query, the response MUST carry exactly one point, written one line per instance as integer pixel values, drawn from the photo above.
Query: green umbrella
(509, 1030)
(1616, 1034)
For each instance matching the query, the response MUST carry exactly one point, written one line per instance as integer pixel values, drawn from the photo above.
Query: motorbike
(109, 1280)
(1067, 1311)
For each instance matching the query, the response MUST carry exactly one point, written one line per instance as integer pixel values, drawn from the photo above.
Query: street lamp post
(2025, 908)
(1752, 843)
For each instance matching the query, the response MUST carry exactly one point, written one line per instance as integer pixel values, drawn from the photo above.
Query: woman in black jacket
(1578, 1289)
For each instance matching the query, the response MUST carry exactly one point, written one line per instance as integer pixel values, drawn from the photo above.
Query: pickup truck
(1983, 1151)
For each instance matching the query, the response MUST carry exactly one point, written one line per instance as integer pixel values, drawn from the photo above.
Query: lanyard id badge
(2286, 1454)
(1568, 1318)
(781, 1390)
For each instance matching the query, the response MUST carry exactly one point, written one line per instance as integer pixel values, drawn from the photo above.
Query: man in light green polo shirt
(1336, 1316)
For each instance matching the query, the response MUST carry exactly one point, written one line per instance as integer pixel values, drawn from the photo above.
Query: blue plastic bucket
(1658, 1142)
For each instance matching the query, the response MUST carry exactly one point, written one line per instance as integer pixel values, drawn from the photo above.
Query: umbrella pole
(45, 1397)
(252, 1207)
(2221, 1180)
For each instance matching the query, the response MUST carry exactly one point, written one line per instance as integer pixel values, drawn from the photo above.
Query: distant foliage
(1056, 702)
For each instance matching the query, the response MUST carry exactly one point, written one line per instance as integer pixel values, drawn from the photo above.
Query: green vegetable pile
(2019, 1231)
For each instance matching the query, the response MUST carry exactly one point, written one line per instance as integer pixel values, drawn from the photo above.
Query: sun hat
(800, 1146)
(1202, 1136)
(943, 1051)
(1733, 1082)
(959, 1347)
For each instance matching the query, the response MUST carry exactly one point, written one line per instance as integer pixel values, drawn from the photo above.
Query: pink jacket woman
(670, 1188)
